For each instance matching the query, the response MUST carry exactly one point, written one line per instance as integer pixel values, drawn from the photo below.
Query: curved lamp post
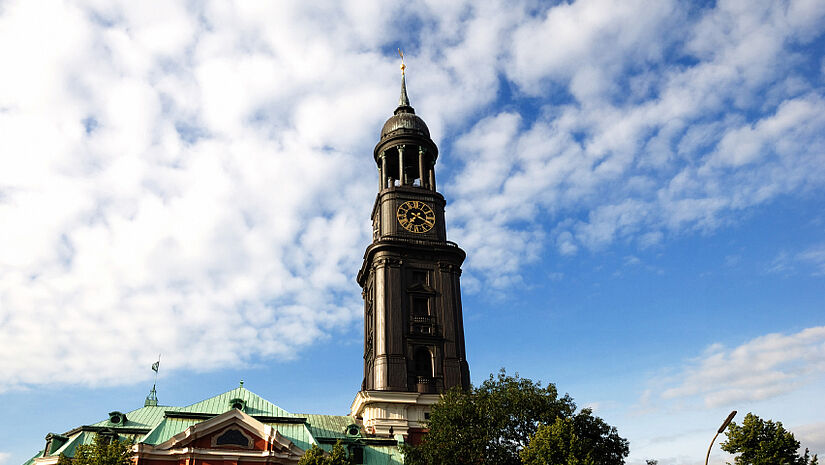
(721, 428)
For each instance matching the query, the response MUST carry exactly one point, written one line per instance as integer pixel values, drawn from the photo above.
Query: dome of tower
(404, 120)
(405, 123)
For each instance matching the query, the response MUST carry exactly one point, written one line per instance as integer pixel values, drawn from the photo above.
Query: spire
(404, 100)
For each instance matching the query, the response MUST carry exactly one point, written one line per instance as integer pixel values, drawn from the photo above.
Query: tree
(760, 442)
(316, 456)
(579, 440)
(505, 415)
(557, 444)
(104, 450)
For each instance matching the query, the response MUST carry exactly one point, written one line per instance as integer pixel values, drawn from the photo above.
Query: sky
(639, 186)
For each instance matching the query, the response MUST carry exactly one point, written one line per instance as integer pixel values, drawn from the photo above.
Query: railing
(424, 324)
(407, 240)
(425, 385)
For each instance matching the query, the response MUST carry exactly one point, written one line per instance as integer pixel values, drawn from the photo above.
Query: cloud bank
(196, 180)
(762, 368)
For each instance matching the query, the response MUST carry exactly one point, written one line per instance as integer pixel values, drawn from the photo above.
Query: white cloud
(684, 147)
(810, 260)
(759, 369)
(588, 44)
(815, 257)
(196, 180)
(811, 436)
(178, 188)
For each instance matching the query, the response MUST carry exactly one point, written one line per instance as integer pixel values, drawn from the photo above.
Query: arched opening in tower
(423, 361)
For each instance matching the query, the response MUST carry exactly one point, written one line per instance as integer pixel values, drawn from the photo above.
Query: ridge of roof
(255, 404)
(147, 417)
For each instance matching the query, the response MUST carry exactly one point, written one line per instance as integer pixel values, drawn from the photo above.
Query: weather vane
(152, 398)
(403, 66)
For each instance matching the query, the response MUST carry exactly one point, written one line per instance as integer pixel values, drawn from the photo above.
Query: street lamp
(721, 428)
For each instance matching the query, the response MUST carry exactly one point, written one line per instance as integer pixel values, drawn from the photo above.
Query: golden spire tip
(403, 66)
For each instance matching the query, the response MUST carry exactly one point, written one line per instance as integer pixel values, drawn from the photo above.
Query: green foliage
(316, 456)
(339, 456)
(760, 442)
(103, 451)
(493, 423)
(557, 444)
(579, 440)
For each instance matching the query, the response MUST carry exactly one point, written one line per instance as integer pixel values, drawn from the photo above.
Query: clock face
(416, 216)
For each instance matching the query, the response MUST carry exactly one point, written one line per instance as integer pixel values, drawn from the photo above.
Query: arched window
(232, 437)
(423, 362)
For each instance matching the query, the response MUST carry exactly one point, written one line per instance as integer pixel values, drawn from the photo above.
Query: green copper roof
(255, 404)
(157, 424)
(144, 417)
(329, 426)
(31, 460)
(167, 428)
(383, 455)
(297, 433)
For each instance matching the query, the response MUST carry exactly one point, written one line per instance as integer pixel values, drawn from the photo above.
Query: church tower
(413, 325)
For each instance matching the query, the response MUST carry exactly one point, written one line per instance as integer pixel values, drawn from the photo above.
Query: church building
(413, 343)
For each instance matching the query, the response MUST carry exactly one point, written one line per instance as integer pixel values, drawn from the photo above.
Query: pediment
(232, 429)
(233, 432)
(421, 288)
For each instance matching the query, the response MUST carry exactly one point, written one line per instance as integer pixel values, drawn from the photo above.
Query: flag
(155, 366)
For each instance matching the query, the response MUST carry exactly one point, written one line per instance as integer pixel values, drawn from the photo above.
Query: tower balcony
(424, 325)
(425, 385)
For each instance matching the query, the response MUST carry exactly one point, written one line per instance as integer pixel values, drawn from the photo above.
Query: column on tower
(379, 380)
(401, 178)
(381, 175)
(383, 172)
(421, 179)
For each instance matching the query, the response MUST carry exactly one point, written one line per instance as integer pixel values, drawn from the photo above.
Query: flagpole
(155, 368)
(152, 398)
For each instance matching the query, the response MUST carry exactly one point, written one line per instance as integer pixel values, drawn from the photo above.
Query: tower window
(421, 306)
(423, 362)
(419, 276)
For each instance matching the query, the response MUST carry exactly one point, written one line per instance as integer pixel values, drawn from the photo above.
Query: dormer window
(238, 403)
(117, 418)
(54, 442)
(108, 435)
(352, 430)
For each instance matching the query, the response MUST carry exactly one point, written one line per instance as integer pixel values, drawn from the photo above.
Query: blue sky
(639, 186)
